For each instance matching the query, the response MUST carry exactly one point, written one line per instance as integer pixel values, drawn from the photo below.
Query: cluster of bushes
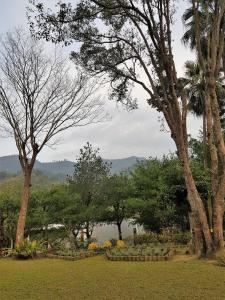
(31, 249)
(140, 251)
(120, 249)
(166, 236)
(148, 244)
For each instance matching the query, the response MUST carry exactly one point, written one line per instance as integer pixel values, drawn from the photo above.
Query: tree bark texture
(210, 65)
(217, 161)
(197, 237)
(119, 230)
(179, 135)
(24, 206)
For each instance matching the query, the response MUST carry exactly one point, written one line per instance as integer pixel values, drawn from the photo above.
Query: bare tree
(38, 100)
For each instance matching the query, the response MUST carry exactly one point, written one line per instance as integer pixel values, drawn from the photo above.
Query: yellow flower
(107, 244)
(120, 244)
(92, 246)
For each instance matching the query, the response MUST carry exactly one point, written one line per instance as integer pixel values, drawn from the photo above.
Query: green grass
(97, 278)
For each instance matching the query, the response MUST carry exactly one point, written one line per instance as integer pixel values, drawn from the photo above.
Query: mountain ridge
(10, 164)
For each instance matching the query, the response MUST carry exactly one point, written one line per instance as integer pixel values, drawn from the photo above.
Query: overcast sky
(134, 133)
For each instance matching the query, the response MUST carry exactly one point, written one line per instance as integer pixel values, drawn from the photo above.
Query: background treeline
(153, 195)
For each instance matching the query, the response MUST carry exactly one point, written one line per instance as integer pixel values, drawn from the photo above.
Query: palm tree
(193, 75)
(195, 86)
(189, 38)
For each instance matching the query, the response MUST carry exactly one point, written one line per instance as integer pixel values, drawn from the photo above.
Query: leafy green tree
(161, 186)
(89, 174)
(53, 213)
(42, 209)
(158, 208)
(10, 193)
(147, 178)
(196, 149)
(118, 192)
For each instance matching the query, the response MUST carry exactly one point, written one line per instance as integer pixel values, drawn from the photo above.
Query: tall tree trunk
(219, 188)
(218, 226)
(179, 134)
(75, 233)
(24, 205)
(11, 243)
(210, 211)
(196, 232)
(204, 140)
(195, 200)
(119, 230)
(81, 235)
(199, 210)
(87, 227)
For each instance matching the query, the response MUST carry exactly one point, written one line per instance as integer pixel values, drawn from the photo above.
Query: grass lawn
(97, 278)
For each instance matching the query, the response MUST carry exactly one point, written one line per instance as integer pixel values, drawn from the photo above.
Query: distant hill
(59, 169)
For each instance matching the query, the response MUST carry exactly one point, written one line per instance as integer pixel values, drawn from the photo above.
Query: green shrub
(27, 249)
(147, 238)
(182, 238)
(129, 240)
(166, 236)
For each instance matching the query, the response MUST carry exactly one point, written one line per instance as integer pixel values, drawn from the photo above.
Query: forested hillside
(10, 164)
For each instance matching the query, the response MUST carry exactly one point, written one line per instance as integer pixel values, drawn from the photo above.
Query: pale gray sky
(134, 133)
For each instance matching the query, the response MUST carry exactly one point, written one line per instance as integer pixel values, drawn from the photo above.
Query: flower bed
(139, 254)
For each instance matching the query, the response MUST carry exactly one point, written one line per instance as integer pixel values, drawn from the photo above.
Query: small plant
(27, 249)
(146, 238)
(107, 245)
(120, 244)
(92, 246)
